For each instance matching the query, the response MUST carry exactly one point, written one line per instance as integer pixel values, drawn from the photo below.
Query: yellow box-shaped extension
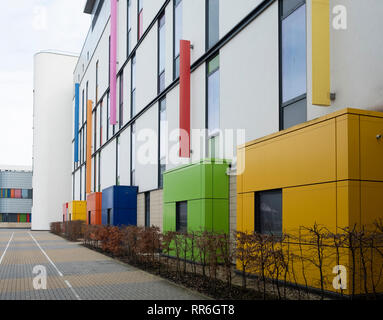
(329, 172)
(77, 210)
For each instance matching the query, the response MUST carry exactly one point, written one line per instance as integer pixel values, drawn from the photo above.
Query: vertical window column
(161, 53)
(177, 37)
(133, 88)
(213, 103)
(212, 15)
(147, 209)
(129, 27)
(294, 63)
(162, 143)
(121, 98)
(140, 19)
(133, 155)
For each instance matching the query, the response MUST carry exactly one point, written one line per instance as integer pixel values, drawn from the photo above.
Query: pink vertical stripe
(113, 62)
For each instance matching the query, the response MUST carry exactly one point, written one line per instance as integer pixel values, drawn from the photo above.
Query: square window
(181, 217)
(268, 212)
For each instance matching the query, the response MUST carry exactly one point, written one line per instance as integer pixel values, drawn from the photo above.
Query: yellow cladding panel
(348, 161)
(303, 157)
(239, 212)
(248, 212)
(77, 210)
(371, 202)
(348, 204)
(371, 148)
(321, 52)
(305, 206)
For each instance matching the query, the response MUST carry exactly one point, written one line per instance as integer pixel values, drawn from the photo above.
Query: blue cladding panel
(76, 120)
(122, 202)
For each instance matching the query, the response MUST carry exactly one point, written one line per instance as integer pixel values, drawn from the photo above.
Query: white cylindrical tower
(52, 134)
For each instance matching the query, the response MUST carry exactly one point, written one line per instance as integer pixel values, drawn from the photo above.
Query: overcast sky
(27, 27)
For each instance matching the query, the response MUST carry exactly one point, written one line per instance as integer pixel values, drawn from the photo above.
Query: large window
(294, 63)
(129, 40)
(108, 125)
(118, 162)
(97, 64)
(163, 143)
(121, 98)
(99, 171)
(133, 88)
(161, 54)
(268, 212)
(147, 210)
(213, 96)
(212, 10)
(133, 155)
(140, 18)
(182, 217)
(177, 36)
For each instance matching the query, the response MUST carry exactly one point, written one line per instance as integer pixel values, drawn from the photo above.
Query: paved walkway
(73, 272)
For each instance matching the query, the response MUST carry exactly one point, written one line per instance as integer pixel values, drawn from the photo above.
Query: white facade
(249, 50)
(52, 126)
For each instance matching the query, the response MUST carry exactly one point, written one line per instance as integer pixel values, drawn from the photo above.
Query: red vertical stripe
(185, 99)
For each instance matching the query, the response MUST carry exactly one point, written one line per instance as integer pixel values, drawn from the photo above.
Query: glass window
(268, 212)
(121, 107)
(97, 82)
(182, 217)
(290, 5)
(161, 54)
(94, 145)
(213, 22)
(295, 113)
(163, 141)
(133, 154)
(213, 83)
(118, 154)
(99, 172)
(294, 60)
(294, 54)
(177, 36)
(133, 96)
(129, 42)
(140, 18)
(147, 210)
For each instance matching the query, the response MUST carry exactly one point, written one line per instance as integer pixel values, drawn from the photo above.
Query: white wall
(52, 147)
(356, 59)
(249, 78)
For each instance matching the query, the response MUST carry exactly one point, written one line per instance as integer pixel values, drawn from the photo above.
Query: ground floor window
(268, 212)
(182, 217)
(147, 210)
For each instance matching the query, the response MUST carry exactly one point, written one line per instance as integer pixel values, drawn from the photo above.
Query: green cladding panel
(205, 187)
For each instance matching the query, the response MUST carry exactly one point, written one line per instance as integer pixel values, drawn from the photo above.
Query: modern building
(15, 197)
(52, 127)
(256, 115)
(243, 70)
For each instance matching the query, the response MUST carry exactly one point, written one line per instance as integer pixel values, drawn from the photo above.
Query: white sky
(27, 27)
